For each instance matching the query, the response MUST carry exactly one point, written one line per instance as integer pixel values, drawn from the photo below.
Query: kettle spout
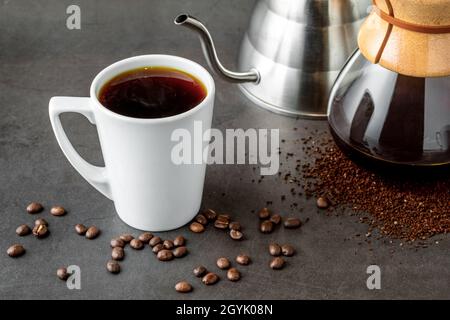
(211, 53)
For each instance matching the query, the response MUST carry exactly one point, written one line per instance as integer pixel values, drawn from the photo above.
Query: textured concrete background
(40, 58)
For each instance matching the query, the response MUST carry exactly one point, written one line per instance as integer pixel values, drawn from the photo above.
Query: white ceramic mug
(149, 191)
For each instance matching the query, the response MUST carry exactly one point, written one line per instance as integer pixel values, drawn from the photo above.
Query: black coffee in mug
(152, 92)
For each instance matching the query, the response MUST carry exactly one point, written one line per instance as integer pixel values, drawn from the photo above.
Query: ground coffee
(409, 207)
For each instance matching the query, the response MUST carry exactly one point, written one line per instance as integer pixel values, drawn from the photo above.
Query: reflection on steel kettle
(291, 53)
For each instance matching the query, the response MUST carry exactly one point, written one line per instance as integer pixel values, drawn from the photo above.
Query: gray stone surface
(40, 58)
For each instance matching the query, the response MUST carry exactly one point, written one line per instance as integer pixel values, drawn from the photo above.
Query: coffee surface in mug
(152, 92)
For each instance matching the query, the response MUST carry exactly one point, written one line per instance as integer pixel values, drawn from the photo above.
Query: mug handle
(96, 176)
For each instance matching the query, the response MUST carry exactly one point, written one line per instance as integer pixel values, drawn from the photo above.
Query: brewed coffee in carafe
(390, 117)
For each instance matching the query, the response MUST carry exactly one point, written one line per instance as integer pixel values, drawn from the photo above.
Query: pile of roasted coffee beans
(40, 227)
(220, 221)
(90, 233)
(41, 230)
(210, 278)
(277, 251)
(168, 249)
(165, 250)
(270, 221)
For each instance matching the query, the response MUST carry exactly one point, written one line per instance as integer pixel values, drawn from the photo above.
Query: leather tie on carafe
(393, 21)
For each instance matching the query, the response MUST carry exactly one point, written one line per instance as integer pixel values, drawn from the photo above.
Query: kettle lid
(408, 37)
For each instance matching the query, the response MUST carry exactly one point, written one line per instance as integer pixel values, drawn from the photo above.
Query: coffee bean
(322, 203)
(145, 237)
(274, 249)
(117, 242)
(223, 263)
(40, 231)
(220, 224)
(34, 207)
(264, 214)
(23, 230)
(81, 229)
(179, 241)
(62, 274)
(210, 214)
(243, 259)
(201, 219)
(113, 266)
(266, 226)
(92, 232)
(180, 252)
(224, 218)
(57, 211)
(117, 253)
(136, 244)
(292, 223)
(183, 287)
(164, 255)
(196, 227)
(41, 221)
(154, 241)
(15, 251)
(126, 237)
(287, 250)
(235, 226)
(199, 271)
(168, 244)
(157, 248)
(275, 219)
(233, 274)
(277, 263)
(236, 235)
(210, 278)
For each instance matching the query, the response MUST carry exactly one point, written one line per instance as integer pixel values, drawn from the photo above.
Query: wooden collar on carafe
(393, 21)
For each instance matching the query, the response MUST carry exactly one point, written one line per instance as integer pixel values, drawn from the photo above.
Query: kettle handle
(211, 54)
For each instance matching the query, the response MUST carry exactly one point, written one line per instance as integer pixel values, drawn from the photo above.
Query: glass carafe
(391, 118)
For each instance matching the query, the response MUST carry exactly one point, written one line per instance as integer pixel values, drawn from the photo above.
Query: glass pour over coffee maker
(391, 101)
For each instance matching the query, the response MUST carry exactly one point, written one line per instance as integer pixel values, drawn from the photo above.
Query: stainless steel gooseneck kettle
(291, 53)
